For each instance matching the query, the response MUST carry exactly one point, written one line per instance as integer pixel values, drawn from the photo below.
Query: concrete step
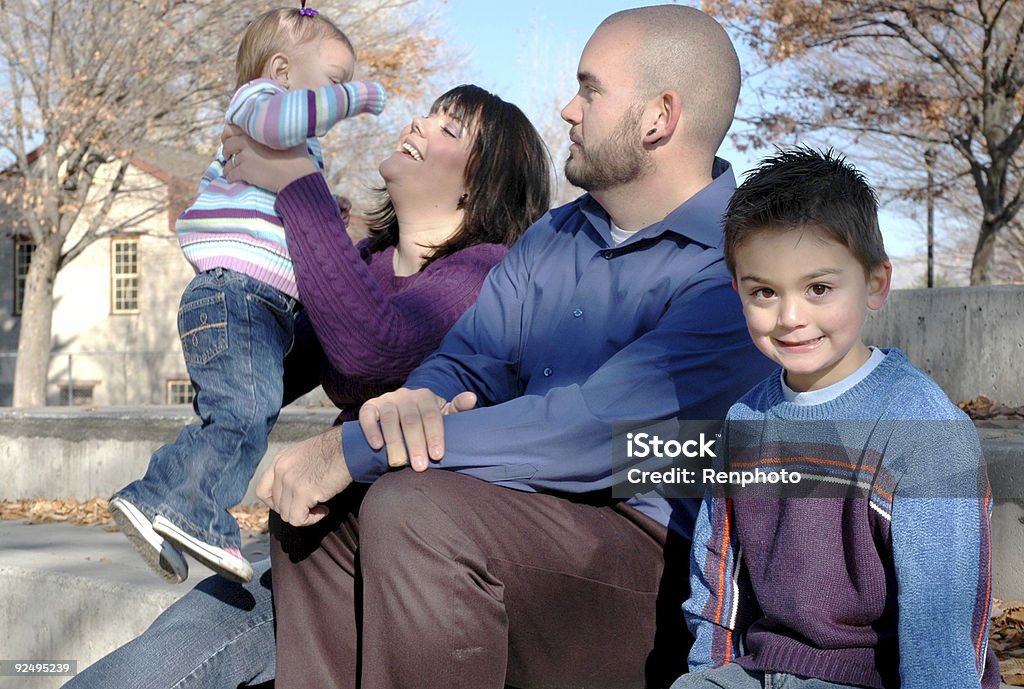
(78, 592)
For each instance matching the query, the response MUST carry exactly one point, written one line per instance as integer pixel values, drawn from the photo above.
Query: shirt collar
(699, 218)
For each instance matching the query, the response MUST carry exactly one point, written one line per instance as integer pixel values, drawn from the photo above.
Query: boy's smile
(805, 297)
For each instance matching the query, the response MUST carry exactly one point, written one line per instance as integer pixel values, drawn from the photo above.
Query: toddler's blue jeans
(235, 332)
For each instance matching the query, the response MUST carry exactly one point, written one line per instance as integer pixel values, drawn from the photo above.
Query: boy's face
(805, 297)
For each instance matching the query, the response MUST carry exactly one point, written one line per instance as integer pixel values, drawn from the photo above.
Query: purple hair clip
(308, 12)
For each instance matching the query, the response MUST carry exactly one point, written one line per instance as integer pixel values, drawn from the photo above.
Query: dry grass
(1007, 639)
(93, 512)
(982, 408)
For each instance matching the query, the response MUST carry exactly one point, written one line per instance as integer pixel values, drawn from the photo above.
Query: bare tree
(84, 82)
(551, 69)
(396, 43)
(901, 77)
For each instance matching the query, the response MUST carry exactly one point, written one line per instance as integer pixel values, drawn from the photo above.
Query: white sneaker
(226, 561)
(162, 557)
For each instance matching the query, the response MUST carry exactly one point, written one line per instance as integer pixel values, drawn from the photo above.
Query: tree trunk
(984, 252)
(33, 361)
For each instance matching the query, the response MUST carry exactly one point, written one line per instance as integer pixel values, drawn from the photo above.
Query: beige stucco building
(114, 323)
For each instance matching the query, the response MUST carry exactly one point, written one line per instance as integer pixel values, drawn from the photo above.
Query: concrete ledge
(80, 453)
(77, 593)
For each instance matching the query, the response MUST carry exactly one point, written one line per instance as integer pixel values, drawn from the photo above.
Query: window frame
(115, 276)
(18, 296)
(169, 390)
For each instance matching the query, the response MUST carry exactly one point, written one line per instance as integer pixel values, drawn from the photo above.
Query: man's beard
(616, 160)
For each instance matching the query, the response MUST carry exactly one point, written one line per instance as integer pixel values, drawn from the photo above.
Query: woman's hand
(259, 165)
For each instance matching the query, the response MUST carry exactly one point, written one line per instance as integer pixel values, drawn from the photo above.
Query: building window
(180, 391)
(81, 392)
(124, 275)
(23, 250)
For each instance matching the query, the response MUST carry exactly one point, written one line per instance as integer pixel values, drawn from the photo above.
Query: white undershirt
(829, 393)
(620, 235)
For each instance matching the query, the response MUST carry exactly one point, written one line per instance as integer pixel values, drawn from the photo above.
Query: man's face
(606, 114)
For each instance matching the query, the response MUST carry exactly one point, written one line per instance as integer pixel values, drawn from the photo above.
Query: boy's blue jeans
(732, 676)
(235, 332)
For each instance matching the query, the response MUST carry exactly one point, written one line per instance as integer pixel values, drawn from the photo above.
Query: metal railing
(113, 377)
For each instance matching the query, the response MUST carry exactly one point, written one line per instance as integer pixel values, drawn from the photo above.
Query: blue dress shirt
(572, 333)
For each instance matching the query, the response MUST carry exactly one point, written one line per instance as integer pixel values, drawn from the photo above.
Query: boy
(887, 582)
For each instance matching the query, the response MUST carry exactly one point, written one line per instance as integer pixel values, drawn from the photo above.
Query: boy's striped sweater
(888, 586)
(233, 224)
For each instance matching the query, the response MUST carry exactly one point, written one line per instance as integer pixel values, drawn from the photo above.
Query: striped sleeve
(712, 608)
(283, 119)
(941, 541)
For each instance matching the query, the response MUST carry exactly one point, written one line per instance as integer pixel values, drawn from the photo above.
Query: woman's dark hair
(508, 176)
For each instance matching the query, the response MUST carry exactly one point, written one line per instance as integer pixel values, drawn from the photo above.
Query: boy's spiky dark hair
(805, 187)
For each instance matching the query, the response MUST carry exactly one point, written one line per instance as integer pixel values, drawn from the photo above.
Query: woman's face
(431, 154)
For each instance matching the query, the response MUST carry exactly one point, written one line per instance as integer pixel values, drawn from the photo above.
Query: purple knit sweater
(374, 327)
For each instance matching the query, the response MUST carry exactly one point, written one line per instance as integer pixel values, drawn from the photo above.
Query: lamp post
(929, 164)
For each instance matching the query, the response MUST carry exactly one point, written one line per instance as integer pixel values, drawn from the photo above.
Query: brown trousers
(441, 580)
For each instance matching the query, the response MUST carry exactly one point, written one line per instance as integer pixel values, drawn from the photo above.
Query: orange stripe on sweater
(804, 460)
(988, 585)
(721, 577)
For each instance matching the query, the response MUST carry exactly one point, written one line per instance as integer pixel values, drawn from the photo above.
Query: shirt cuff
(365, 464)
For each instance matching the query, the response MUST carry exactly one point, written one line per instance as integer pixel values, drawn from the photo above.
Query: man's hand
(410, 420)
(303, 476)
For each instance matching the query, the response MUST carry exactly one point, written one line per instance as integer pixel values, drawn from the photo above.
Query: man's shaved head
(684, 50)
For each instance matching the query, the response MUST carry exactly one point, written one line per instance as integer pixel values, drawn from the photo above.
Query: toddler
(294, 71)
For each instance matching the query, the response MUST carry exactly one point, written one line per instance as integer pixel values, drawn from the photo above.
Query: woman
(461, 185)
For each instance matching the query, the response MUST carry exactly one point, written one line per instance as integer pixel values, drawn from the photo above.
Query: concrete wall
(79, 454)
(74, 453)
(969, 339)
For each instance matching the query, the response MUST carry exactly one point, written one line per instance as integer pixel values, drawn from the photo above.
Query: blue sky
(527, 52)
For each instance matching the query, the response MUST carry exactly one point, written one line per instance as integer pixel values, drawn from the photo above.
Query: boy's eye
(819, 290)
(764, 293)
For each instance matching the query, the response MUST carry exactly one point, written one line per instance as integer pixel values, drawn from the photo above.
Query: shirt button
(578, 313)
(606, 253)
(548, 372)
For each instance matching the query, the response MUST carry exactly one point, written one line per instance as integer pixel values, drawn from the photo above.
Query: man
(506, 561)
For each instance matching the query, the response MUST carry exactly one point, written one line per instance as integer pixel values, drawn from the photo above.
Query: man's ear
(879, 280)
(664, 112)
(277, 69)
